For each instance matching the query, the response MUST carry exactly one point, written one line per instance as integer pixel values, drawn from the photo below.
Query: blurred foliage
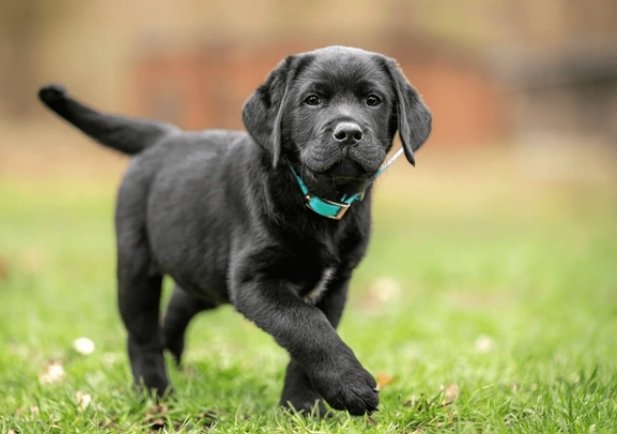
(81, 42)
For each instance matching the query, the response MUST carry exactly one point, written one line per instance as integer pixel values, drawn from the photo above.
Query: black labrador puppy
(273, 221)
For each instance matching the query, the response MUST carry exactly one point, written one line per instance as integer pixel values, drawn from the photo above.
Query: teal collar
(328, 208)
(324, 207)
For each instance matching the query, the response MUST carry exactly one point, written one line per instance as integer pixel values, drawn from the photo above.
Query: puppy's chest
(317, 262)
(314, 292)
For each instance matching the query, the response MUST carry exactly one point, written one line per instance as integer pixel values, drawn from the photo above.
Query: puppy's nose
(347, 133)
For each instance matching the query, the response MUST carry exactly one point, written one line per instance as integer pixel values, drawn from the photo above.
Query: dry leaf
(83, 399)
(384, 379)
(450, 394)
(84, 346)
(52, 373)
(484, 344)
(385, 289)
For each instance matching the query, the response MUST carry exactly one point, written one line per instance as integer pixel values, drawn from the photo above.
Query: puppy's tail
(124, 134)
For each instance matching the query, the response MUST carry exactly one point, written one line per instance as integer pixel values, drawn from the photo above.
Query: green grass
(528, 267)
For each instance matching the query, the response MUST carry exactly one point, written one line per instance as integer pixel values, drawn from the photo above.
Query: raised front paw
(348, 386)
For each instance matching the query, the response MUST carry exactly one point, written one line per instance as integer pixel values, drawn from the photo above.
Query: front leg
(309, 337)
(298, 392)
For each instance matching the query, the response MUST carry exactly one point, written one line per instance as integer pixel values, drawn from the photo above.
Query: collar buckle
(326, 208)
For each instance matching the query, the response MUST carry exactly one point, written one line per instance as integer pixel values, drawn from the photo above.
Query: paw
(153, 382)
(148, 367)
(350, 388)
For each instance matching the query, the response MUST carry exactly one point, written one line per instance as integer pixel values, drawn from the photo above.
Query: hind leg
(181, 309)
(139, 297)
(298, 392)
(139, 293)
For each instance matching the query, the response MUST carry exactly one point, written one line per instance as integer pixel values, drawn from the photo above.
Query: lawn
(487, 303)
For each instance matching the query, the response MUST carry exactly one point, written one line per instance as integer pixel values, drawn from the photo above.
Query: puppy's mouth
(333, 174)
(345, 162)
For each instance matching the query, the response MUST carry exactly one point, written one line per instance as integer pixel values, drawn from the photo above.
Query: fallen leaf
(484, 344)
(384, 379)
(83, 399)
(450, 394)
(385, 289)
(52, 373)
(83, 346)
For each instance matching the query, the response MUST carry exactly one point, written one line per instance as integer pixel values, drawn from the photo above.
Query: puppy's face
(339, 117)
(332, 113)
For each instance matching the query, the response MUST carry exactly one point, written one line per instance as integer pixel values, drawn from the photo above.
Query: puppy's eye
(373, 100)
(312, 100)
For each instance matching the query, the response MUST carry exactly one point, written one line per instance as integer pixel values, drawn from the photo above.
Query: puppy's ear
(414, 117)
(263, 111)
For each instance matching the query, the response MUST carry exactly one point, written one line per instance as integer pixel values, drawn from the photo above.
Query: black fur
(127, 135)
(220, 212)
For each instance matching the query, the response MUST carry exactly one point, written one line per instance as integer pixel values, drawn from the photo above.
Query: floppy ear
(262, 112)
(414, 117)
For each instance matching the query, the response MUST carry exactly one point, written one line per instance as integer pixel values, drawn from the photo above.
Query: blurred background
(489, 69)
(530, 75)
(502, 240)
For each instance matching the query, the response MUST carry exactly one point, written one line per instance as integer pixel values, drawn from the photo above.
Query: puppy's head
(333, 114)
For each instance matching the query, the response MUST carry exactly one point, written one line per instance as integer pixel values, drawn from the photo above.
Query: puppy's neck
(290, 200)
(334, 187)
